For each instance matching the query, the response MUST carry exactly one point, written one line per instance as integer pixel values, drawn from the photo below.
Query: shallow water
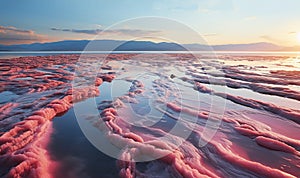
(146, 113)
(79, 158)
(7, 96)
(161, 117)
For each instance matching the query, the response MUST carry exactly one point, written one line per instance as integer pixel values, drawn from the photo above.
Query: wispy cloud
(126, 32)
(291, 33)
(90, 32)
(13, 35)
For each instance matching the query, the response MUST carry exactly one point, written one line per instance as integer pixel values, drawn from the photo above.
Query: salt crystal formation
(256, 134)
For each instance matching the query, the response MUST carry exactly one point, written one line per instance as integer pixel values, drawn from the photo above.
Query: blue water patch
(7, 96)
(76, 155)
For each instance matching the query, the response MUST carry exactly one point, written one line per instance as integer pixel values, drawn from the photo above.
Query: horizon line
(148, 41)
(103, 52)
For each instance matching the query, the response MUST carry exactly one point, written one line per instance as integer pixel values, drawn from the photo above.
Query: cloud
(91, 32)
(12, 35)
(290, 33)
(126, 32)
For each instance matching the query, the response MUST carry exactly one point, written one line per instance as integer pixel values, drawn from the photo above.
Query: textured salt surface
(139, 99)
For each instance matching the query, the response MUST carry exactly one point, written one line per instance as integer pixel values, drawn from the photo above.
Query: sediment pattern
(255, 135)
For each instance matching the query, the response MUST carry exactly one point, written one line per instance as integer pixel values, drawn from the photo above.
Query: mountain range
(117, 45)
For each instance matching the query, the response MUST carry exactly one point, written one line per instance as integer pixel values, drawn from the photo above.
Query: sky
(215, 21)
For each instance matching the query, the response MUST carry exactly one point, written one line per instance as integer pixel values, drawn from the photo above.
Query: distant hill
(248, 47)
(97, 45)
(117, 45)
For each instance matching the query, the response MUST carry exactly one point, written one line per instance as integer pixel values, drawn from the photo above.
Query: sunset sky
(218, 21)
